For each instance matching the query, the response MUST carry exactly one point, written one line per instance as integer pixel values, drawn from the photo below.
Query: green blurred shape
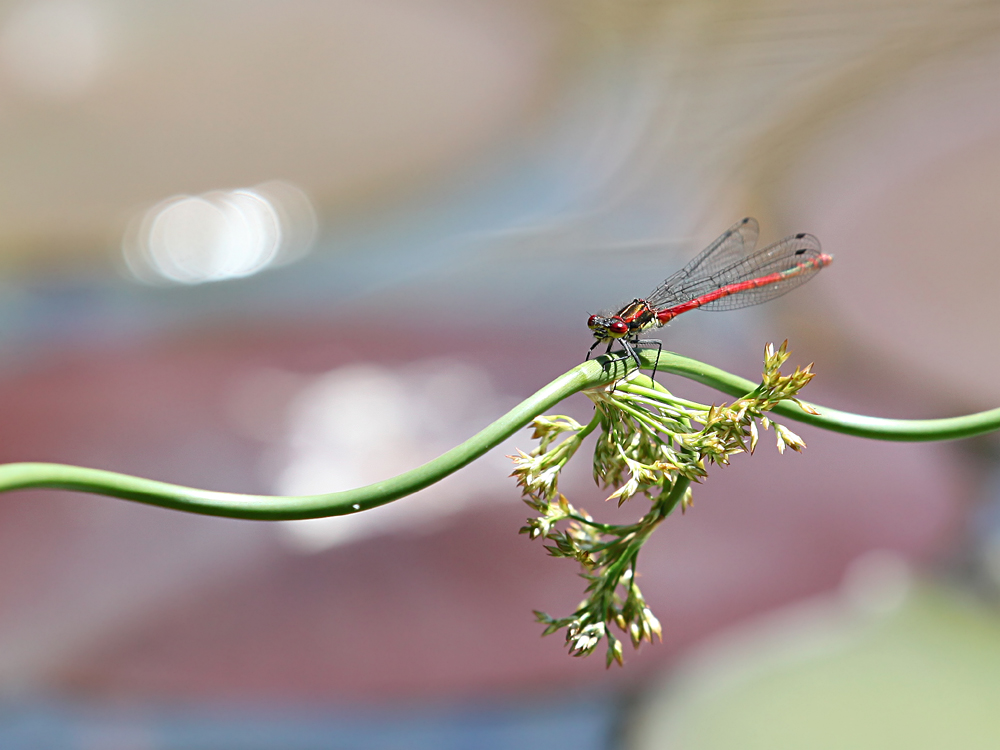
(926, 675)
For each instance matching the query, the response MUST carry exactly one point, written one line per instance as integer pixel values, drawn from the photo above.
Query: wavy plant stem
(590, 374)
(877, 428)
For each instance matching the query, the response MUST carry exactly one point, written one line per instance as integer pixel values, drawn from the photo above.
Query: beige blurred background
(302, 246)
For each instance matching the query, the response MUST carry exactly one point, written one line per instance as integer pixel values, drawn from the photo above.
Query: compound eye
(593, 321)
(618, 327)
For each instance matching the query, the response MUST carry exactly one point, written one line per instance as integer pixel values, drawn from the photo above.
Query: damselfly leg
(629, 351)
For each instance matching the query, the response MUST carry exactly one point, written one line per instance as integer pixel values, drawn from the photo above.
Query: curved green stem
(907, 430)
(275, 507)
(587, 375)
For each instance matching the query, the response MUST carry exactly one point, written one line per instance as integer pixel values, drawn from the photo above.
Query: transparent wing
(734, 245)
(750, 272)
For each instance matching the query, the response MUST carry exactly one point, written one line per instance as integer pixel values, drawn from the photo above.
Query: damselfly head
(605, 328)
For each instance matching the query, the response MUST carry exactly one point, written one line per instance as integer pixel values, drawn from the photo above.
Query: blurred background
(302, 246)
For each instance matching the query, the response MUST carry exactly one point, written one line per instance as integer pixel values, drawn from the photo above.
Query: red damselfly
(728, 274)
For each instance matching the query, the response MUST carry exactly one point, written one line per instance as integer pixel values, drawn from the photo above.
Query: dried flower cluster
(650, 443)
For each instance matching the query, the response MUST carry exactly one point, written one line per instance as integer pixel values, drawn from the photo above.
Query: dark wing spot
(800, 252)
(800, 235)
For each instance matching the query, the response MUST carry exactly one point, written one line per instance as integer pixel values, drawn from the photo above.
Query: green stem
(638, 539)
(563, 452)
(590, 374)
(658, 396)
(591, 425)
(607, 528)
(274, 507)
(642, 417)
(877, 428)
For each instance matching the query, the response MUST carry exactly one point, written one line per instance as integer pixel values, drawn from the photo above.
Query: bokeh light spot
(220, 235)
